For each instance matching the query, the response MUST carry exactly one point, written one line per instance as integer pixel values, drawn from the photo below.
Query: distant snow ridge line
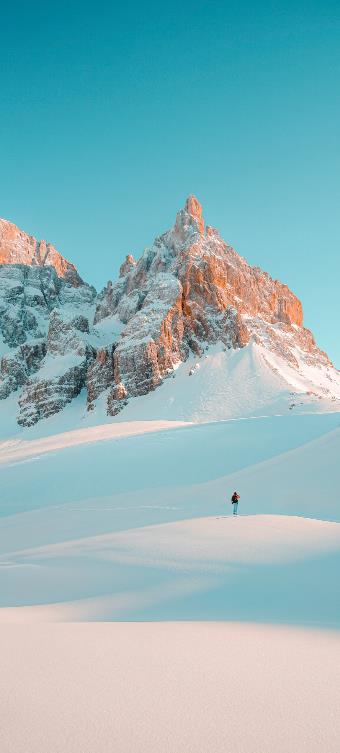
(188, 291)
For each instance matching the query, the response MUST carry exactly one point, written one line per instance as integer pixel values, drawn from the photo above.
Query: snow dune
(212, 542)
(272, 568)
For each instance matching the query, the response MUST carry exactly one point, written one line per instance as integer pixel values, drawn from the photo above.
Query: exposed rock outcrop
(194, 209)
(27, 296)
(127, 265)
(44, 323)
(100, 374)
(45, 396)
(17, 366)
(16, 247)
(63, 371)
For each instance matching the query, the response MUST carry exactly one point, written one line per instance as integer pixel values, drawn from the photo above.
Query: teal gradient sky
(110, 115)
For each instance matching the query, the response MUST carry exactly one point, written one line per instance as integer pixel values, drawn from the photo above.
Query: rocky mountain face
(44, 321)
(186, 292)
(17, 247)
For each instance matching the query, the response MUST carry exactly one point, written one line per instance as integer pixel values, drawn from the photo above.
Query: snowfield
(136, 614)
(169, 687)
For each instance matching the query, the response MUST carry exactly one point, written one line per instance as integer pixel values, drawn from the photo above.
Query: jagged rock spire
(194, 208)
(127, 265)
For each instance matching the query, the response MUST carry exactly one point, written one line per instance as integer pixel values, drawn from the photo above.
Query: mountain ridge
(187, 293)
(17, 247)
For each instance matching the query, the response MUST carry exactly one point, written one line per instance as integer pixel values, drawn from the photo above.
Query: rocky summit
(189, 291)
(17, 247)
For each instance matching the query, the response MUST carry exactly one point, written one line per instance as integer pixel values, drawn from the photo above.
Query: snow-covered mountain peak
(190, 290)
(187, 293)
(188, 241)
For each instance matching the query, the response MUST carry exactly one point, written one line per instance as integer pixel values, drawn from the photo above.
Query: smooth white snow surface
(168, 688)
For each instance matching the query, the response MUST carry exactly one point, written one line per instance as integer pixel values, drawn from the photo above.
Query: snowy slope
(236, 384)
(64, 504)
(220, 385)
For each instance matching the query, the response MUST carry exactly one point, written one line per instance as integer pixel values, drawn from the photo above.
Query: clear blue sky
(111, 114)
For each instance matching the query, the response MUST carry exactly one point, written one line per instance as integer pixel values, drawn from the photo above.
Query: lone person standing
(234, 501)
